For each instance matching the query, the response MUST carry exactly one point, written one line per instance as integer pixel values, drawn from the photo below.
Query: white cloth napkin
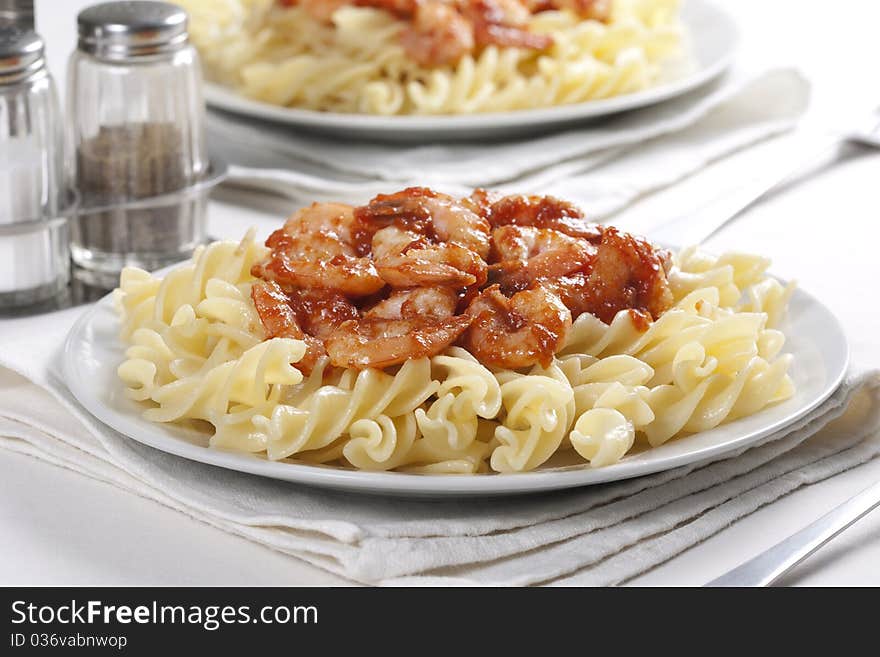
(595, 535)
(603, 165)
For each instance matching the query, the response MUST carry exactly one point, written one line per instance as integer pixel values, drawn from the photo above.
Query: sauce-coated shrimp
(502, 23)
(627, 273)
(355, 277)
(405, 259)
(403, 276)
(409, 324)
(322, 246)
(438, 217)
(524, 255)
(334, 222)
(320, 312)
(543, 212)
(438, 35)
(527, 328)
(279, 321)
(480, 201)
(435, 303)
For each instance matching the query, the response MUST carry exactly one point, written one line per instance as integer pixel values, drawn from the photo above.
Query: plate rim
(226, 99)
(425, 485)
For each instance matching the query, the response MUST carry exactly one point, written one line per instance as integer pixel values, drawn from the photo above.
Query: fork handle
(696, 227)
(768, 566)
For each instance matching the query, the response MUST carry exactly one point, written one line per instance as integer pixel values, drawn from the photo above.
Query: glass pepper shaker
(34, 201)
(136, 139)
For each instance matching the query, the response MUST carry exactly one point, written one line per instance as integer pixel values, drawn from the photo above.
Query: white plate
(712, 36)
(815, 339)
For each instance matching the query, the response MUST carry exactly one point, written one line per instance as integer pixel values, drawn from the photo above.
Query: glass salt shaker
(136, 141)
(34, 195)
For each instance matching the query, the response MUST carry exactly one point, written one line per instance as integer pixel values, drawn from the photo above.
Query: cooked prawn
(279, 321)
(527, 328)
(406, 259)
(399, 329)
(355, 277)
(480, 201)
(435, 303)
(543, 212)
(322, 246)
(503, 23)
(436, 216)
(320, 312)
(524, 255)
(438, 35)
(627, 273)
(339, 230)
(526, 242)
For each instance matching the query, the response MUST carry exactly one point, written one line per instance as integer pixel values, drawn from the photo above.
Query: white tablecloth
(61, 528)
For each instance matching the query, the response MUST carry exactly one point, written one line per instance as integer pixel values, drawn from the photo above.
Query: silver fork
(771, 564)
(696, 227)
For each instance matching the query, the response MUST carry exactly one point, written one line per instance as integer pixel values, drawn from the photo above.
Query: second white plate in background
(712, 35)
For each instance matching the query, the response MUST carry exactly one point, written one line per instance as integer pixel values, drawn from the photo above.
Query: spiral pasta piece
(382, 443)
(467, 392)
(536, 419)
(331, 410)
(602, 436)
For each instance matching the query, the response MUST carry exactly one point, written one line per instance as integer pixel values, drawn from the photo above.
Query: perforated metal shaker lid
(127, 30)
(21, 54)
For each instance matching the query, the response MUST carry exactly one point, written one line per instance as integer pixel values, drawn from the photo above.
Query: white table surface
(57, 527)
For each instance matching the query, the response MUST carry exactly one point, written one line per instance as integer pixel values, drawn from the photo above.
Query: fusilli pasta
(197, 352)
